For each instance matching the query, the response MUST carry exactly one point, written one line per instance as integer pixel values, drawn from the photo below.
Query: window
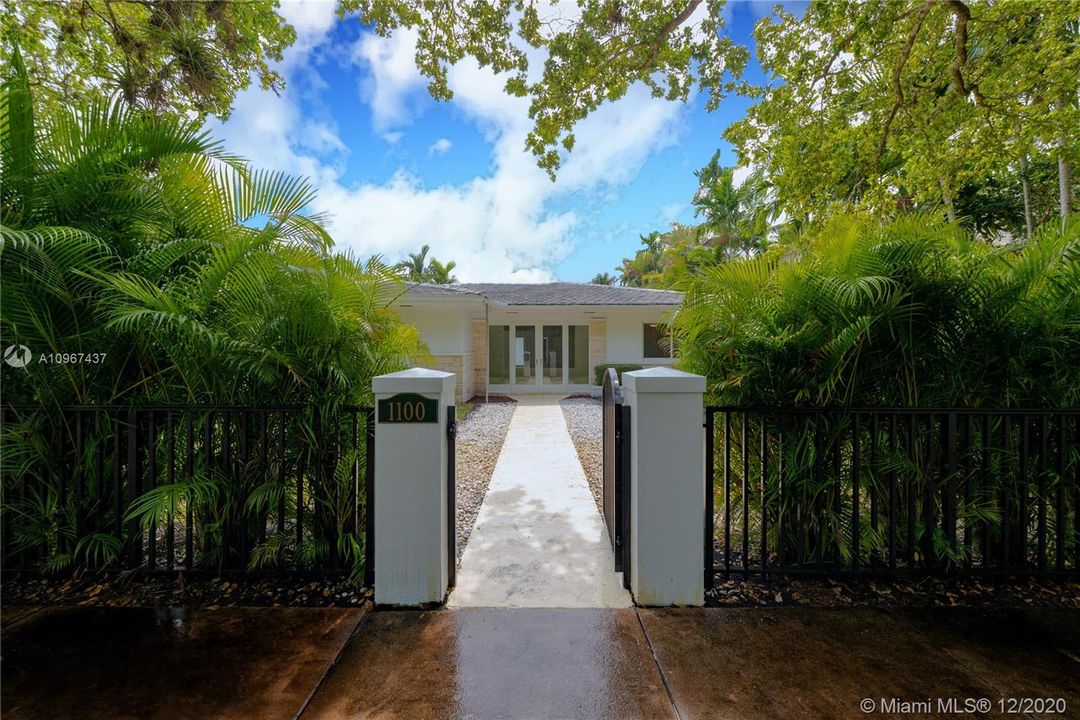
(657, 343)
(578, 360)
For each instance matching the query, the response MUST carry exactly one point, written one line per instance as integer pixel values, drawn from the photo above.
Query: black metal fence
(889, 491)
(616, 458)
(165, 488)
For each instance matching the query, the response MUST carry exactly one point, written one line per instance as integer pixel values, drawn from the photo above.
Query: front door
(551, 359)
(537, 357)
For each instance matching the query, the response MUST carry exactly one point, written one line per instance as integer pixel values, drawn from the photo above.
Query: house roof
(557, 293)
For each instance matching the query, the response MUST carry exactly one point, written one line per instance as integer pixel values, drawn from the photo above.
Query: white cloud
(440, 147)
(502, 225)
(312, 20)
(391, 74)
(740, 173)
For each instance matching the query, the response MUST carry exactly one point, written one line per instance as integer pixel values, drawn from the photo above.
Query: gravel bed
(124, 589)
(585, 421)
(891, 593)
(479, 439)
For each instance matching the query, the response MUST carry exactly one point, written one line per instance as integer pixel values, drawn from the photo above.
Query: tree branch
(898, 88)
(666, 31)
(963, 17)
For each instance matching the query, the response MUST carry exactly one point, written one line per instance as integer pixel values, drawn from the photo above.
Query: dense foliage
(913, 312)
(142, 265)
(199, 279)
(890, 104)
(166, 56)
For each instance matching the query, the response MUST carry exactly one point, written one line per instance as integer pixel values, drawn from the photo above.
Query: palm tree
(418, 268)
(196, 280)
(603, 279)
(200, 278)
(439, 274)
(415, 267)
(737, 219)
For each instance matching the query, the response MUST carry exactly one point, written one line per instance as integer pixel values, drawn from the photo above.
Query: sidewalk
(540, 664)
(538, 540)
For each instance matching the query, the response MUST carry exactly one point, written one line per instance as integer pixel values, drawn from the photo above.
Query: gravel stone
(585, 422)
(479, 439)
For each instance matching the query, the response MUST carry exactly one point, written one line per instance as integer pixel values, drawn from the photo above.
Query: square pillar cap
(415, 380)
(663, 380)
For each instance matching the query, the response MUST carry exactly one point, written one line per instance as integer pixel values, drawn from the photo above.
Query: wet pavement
(815, 663)
(529, 663)
(496, 663)
(167, 663)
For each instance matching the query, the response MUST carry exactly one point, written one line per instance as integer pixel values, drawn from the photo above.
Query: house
(522, 338)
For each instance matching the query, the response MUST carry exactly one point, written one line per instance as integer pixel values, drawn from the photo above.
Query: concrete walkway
(538, 540)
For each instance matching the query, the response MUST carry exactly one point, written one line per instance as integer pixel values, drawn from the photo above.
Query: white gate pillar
(667, 486)
(411, 523)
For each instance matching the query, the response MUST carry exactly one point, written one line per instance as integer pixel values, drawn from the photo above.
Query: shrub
(601, 370)
(912, 312)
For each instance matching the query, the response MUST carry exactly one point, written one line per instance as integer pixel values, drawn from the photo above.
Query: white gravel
(479, 441)
(585, 422)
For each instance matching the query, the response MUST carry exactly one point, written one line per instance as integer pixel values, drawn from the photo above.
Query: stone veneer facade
(597, 345)
(478, 330)
(460, 365)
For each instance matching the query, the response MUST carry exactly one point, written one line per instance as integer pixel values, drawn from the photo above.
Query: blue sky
(396, 169)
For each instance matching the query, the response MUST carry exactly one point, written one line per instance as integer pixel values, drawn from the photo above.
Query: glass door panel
(551, 360)
(524, 354)
(578, 357)
(499, 354)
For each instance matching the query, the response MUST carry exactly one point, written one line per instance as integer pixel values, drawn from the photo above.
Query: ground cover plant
(144, 266)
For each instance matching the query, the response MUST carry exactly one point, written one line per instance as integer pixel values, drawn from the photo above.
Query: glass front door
(525, 355)
(551, 359)
(538, 355)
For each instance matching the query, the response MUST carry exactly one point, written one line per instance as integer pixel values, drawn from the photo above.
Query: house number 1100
(408, 408)
(407, 411)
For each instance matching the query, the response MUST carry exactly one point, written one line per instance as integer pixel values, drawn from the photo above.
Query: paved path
(538, 540)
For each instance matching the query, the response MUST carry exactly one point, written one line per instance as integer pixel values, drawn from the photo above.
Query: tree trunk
(1029, 221)
(946, 195)
(1064, 178)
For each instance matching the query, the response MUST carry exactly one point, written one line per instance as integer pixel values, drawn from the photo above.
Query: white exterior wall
(443, 328)
(626, 335)
(445, 324)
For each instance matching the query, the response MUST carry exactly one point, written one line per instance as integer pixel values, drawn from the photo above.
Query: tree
(166, 56)
(738, 219)
(414, 267)
(594, 53)
(603, 279)
(131, 236)
(893, 105)
(417, 268)
(887, 104)
(862, 312)
(439, 274)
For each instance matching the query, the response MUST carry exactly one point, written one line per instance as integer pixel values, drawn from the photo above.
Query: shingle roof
(557, 293)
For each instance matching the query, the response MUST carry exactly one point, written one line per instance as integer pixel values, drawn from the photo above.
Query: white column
(410, 493)
(667, 486)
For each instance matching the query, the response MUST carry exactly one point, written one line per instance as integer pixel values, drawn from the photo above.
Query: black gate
(616, 426)
(451, 498)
